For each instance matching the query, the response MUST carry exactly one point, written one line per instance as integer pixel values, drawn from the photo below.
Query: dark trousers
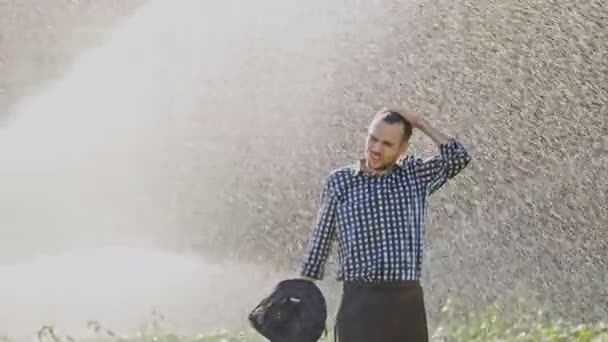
(386, 312)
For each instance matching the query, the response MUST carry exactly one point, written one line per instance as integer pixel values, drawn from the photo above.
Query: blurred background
(170, 155)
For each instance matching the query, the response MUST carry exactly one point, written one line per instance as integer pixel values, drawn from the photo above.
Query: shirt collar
(359, 168)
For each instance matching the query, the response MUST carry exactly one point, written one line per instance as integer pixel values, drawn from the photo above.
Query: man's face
(384, 144)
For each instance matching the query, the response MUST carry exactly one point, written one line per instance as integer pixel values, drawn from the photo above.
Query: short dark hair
(392, 117)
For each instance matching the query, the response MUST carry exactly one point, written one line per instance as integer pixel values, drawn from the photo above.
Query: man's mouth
(375, 157)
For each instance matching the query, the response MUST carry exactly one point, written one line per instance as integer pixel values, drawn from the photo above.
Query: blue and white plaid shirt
(378, 220)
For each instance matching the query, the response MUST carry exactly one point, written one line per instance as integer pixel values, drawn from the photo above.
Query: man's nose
(375, 147)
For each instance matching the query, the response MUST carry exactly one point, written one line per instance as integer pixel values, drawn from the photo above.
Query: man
(376, 210)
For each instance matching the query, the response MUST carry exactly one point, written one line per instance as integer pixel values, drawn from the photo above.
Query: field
(519, 321)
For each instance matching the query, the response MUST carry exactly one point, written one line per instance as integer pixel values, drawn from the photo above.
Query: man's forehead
(381, 129)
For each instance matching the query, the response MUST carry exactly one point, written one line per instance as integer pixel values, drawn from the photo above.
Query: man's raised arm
(451, 158)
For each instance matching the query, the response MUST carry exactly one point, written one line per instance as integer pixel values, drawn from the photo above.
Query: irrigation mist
(99, 164)
(177, 166)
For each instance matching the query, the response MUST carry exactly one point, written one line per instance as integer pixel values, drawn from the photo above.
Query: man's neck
(376, 172)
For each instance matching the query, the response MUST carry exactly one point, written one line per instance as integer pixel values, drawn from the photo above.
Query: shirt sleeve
(435, 171)
(322, 235)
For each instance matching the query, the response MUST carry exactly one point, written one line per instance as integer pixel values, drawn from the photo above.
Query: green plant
(521, 320)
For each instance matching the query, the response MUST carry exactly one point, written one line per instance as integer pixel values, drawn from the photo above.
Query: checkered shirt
(378, 221)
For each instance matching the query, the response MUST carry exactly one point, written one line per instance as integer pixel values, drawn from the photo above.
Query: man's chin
(376, 166)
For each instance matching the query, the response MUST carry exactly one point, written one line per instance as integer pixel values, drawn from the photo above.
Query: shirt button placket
(374, 222)
(382, 218)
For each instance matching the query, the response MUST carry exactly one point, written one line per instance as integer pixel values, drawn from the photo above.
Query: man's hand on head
(418, 122)
(415, 120)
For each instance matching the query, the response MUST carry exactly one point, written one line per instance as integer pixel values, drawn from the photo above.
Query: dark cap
(295, 311)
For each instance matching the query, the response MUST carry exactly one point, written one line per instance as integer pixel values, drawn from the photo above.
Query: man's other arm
(322, 236)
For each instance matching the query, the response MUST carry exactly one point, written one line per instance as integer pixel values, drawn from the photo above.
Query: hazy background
(170, 155)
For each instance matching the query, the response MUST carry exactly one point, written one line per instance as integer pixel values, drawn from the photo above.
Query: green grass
(518, 322)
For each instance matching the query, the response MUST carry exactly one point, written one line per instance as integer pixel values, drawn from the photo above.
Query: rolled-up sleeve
(322, 236)
(435, 171)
